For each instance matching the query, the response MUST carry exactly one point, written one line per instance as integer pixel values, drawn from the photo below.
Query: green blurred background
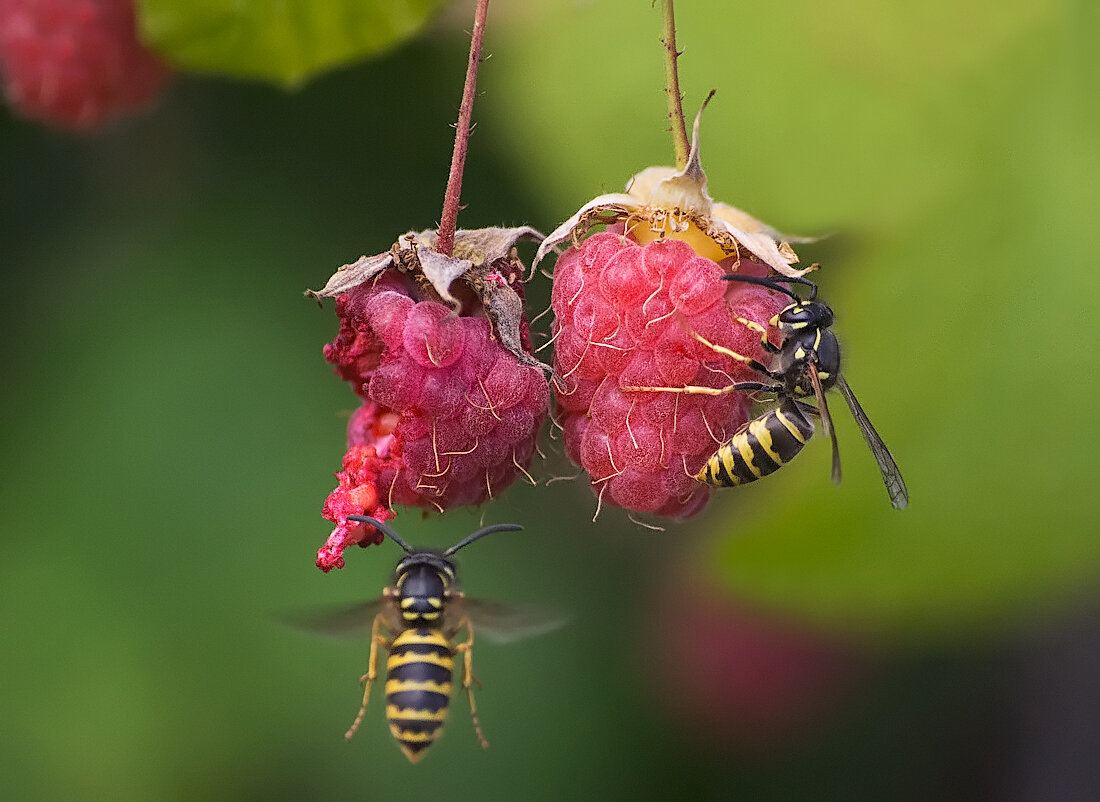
(170, 428)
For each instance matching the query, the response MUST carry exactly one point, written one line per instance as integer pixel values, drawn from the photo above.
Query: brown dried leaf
(441, 271)
(567, 230)
(504, 309)
(362, 269)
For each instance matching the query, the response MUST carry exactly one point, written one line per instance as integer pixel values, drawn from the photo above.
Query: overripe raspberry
(626, 315)
(75, 63)
(450, 416)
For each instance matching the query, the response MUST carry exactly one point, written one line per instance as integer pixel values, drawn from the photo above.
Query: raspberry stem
(672, 88)
(449, 219)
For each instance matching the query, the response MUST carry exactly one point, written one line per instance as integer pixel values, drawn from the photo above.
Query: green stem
(449, 218)
(672, 88)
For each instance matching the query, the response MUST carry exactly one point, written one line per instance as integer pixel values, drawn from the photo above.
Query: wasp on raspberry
(423, 613)
(808, 363)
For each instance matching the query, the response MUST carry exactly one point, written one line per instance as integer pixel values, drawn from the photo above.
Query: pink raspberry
(75, 63)
(626, 315)
(449, 416)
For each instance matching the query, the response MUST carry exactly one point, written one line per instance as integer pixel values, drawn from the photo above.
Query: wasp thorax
(422, 589)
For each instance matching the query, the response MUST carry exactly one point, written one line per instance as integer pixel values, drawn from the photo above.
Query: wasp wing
(826, 420)
(500, 622)
(891, 474)
(342, 621)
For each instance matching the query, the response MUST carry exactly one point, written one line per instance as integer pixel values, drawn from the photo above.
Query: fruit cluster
(648, 340)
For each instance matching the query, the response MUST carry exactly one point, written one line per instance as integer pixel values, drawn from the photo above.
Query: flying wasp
(807, 364)
(422, 613)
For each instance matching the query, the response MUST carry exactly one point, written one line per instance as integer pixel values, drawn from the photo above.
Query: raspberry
(75, 63)
(625, 315)
(633, 311)
(744, 677)
(450, 415)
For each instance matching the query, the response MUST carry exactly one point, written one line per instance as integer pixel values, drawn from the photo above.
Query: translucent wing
(891, 475)
(826, 420)
(502, 622)
(343, 621)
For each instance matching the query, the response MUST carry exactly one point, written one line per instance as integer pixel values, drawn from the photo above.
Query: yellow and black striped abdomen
(418, 688)
(761, 447)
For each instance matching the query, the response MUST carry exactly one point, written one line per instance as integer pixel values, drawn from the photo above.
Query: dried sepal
(485, 261)
(601, 210)
(442, 271)
(483, 246)
(362, 269)
(504, 308)
(663, 201)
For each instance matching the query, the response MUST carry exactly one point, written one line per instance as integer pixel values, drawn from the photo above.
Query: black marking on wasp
(808, 364)
(422, 613)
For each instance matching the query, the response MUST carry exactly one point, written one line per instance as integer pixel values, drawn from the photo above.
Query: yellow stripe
(411, 637)
(396, 660)
(745, 448)
(759, 428)
(398, 685)
(394, 713)
(729, 462)
(790, 427)
(411, 736)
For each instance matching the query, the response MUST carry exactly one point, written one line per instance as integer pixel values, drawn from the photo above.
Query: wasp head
(803, 315)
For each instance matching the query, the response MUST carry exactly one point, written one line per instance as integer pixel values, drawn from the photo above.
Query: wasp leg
(763, 332)
(376, 640)
(468, 678)
(691, 389)
(759, 367)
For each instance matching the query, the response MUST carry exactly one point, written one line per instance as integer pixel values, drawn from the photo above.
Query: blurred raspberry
(75, 63)
(741, 677)
(449, 417)
(625, 316)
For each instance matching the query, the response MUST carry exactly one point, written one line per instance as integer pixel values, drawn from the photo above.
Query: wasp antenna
(466, 541)
(381, 527)
(775, 283)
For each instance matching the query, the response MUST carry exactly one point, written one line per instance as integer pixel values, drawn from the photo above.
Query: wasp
(416, 621)
(807, 364)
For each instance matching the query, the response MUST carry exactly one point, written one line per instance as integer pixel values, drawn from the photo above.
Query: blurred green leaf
(283, 42)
